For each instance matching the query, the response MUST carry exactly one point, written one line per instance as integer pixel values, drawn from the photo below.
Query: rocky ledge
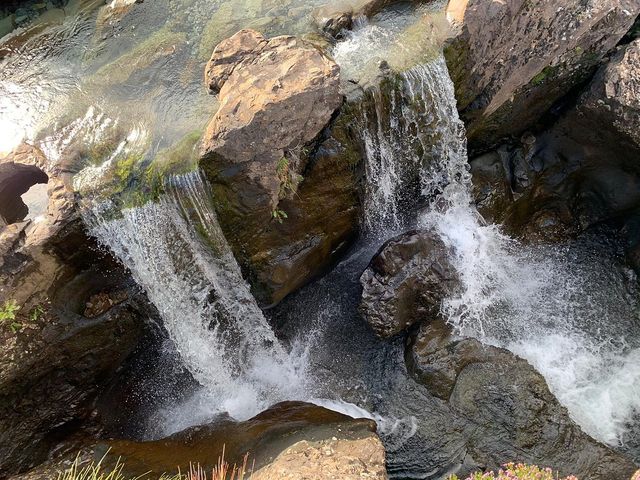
(69, 316)
(511, 61)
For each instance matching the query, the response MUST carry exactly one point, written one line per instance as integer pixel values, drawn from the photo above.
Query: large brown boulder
(511, 61)
(285, 186)
(406, 282)
(508, 410)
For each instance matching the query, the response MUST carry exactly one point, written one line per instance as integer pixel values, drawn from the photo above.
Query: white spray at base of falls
(176, 250)
(205, 304)
(572, 316)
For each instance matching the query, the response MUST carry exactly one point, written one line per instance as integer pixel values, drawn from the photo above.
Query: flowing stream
(564, 309)
(94, 93)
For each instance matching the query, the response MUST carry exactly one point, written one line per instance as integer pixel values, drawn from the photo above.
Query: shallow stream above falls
(95, 93)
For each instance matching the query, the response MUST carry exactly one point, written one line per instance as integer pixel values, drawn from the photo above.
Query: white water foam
(394, 431)
(206, 306)
(572, 317)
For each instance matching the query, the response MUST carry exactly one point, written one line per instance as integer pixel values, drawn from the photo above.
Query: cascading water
(178, 254)
(414, 145)
(563, 309)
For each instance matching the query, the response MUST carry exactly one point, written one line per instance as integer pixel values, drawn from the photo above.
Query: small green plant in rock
(279, 215)
(289, 180)
(8, 315)
(36, 313)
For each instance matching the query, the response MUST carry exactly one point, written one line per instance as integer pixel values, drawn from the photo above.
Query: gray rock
(406, 282)
(507, 410)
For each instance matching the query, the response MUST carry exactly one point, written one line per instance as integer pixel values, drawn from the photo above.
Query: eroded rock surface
(289, 440)
(284, 183)
(406, 282)
(613, 99)
(53, 360)
(511, 61)
(508, 410)
(580, 172)
(329, 459)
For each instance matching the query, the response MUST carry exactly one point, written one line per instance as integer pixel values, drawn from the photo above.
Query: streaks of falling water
(415, 145)
(563, 309)
(176, 251)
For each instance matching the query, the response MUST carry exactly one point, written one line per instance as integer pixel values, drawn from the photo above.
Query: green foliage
(540, 78)
(289, 180)
(36, 313)
(8, 315)
(518, 471)
(279, 215)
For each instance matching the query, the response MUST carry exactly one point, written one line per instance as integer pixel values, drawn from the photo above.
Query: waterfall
(177, 252)
(414, 145)
(565, 310)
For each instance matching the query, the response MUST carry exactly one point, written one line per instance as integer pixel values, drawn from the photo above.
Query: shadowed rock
(54, 361)
(406, 282)
(511, 61)
(508, 410)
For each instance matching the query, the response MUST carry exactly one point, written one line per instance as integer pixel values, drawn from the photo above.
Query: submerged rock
(285, 186)
(337, 16)
(406, 282)
(507, 409)
(511, 61)
(289, 440)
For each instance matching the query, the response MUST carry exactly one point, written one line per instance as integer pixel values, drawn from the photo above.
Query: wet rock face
(506, 407)
(281, 166)
(406, 282)
(581, 172)
(289, 440)
(613, 98)
(511, 61)
(54, 360)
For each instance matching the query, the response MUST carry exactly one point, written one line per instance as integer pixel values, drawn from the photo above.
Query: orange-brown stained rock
(277, 433)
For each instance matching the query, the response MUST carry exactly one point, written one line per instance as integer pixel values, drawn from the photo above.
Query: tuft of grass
(519, 471)
(92, 471)
(97, 471)
(222, 471)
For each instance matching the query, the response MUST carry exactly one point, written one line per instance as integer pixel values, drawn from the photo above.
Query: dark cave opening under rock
(15, 180)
